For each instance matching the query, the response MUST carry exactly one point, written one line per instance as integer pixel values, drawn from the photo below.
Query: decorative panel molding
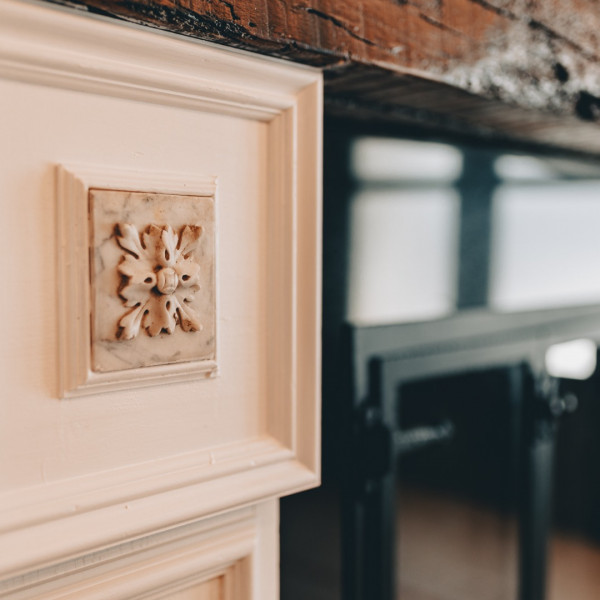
(85, 483)
(227, 555)
(116, 279)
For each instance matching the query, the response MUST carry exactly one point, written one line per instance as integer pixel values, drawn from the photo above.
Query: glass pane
(403, 254)
(545, 246)
(437, 229)
(457, 517)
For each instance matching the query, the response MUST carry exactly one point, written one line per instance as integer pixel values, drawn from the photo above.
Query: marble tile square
(153, 279)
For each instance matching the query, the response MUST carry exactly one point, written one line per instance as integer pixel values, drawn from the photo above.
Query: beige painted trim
(237, 546)
(47, 46)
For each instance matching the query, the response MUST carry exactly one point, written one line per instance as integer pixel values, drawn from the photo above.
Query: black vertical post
(338, 187)
(517, 376)
(341, 429)
(340, 403)
(370, 552)
(389, 401)
(378, 548)
(538, 448)
(476, 187)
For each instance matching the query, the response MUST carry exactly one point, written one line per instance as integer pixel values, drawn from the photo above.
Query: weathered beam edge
(516, 65)
(363, 118)
(383, 95)
(205, 27)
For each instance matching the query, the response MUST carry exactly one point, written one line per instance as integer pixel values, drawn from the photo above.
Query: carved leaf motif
(134, 295)
(128, 266)
(130, 323)
(162, 316)
(141, 280)
(160, 277)
(129, 239)
(167, 254)
(188, 319)
(188, 271)
(151, 239)
(189, 238)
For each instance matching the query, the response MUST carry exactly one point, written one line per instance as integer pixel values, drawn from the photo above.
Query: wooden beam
(528, 71)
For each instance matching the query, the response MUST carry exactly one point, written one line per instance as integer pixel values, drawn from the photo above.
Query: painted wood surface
(233, 556)
(83, 475)
(497, 69)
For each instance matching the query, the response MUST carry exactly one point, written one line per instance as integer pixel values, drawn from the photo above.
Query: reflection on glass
(377, 159)
(575, 359)
(433, 231)
(457, 510)
(407, 270)
(545, 245)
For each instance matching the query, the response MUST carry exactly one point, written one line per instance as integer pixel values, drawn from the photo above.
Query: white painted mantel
(157, 477)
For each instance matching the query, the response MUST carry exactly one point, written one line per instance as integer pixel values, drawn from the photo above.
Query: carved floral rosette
(159, 277)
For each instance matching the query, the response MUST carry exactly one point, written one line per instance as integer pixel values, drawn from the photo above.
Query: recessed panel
(153, 279)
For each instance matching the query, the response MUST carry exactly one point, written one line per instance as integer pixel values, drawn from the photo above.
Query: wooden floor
(450, 550)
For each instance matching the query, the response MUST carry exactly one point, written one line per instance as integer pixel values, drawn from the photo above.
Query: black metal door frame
(373, 442)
